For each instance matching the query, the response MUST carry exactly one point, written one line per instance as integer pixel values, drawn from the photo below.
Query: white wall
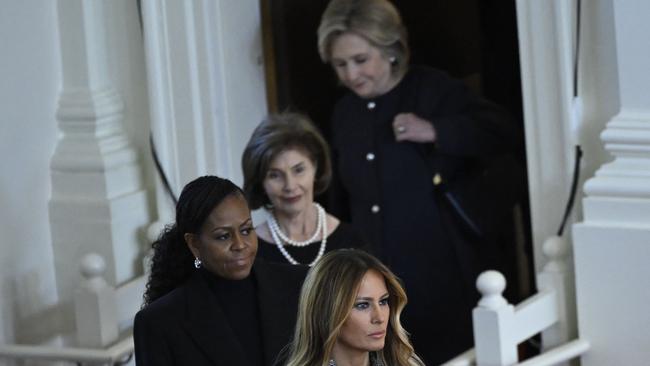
(598, 80)
(30, 74)
(244, 71)
(129, 77)
(30, 70)
(31, 81)
(207, 93)
(612, 243)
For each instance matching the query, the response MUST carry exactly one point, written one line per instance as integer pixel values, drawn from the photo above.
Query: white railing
(499, 326)
(118, 354)
(103, 317)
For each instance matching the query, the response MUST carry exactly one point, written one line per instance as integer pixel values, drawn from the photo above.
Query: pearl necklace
(279, 236)
(274, 226)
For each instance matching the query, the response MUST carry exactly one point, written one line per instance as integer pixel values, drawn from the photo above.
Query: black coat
(387, 189)
(188, 326)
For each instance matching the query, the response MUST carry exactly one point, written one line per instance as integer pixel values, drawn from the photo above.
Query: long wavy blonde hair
(326, 299)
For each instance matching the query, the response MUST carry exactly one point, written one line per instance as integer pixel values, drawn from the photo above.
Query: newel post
(493, 318)
(95, 305)
(557, 276)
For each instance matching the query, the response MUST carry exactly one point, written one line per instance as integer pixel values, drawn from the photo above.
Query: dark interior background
(472, 40)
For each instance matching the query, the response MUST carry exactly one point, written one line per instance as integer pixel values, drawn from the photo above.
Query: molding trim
(93, 136)
(546, 50)
(627, 135)
(98, 202)
(206, 87)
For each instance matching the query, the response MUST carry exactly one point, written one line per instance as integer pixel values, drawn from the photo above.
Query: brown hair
(377, 21)
(326, 299)
(276, 134)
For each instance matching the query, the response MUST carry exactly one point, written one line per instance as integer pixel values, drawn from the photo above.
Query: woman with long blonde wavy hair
(349, 314)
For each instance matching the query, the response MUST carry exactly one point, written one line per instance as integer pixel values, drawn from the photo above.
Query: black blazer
(188, 327)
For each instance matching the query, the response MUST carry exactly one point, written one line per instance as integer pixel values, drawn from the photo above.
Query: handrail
(467, 358)
(117, 353)
(99, 300)
(563, 353)
(499, 326)
(559, 354)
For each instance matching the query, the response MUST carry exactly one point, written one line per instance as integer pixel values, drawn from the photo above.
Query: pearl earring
(197, 263)
(392, 60)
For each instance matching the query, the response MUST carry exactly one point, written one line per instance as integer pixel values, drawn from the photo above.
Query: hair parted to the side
(327, 297)
(377, 21)
(274, 135)
(172, 261)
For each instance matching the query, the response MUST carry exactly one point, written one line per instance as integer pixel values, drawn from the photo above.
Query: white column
(98, 203)
(546, 49)
(206, 87)
(612, 244)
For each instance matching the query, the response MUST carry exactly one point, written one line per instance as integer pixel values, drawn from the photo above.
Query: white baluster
(555, 249)
(557, 276)
(493, 323)
(95, 305)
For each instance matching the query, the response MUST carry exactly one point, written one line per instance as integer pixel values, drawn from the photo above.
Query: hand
(409, 127)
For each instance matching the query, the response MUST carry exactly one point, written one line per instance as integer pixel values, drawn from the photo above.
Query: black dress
(388, 190)
(344, 236)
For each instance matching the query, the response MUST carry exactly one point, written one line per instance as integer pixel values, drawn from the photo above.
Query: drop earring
(197, 263)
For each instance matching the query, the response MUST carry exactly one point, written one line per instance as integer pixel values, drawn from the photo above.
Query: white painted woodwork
(95, 305)
(102, 314)
(129, 300)
(98, 203)
(119, 352)
(552, 357)
(557, 277)
(612, 243)
(612, 293)
(559, 355)
(206, 87)
(493, 322)
(499, 327)
(467, 358)
(551, 116)
(30, 82)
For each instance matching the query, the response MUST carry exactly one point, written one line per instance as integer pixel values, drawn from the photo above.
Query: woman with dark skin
(209, 301)
(407, 144)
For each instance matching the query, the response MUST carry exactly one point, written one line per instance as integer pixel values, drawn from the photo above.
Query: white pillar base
(612, 292)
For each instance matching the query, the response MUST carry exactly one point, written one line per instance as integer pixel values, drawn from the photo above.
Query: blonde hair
(377, 21)
(326, 299)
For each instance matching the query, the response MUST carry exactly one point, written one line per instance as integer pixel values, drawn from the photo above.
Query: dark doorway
(472, 40)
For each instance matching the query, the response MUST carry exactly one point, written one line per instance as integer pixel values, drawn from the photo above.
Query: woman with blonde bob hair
(349, 314)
